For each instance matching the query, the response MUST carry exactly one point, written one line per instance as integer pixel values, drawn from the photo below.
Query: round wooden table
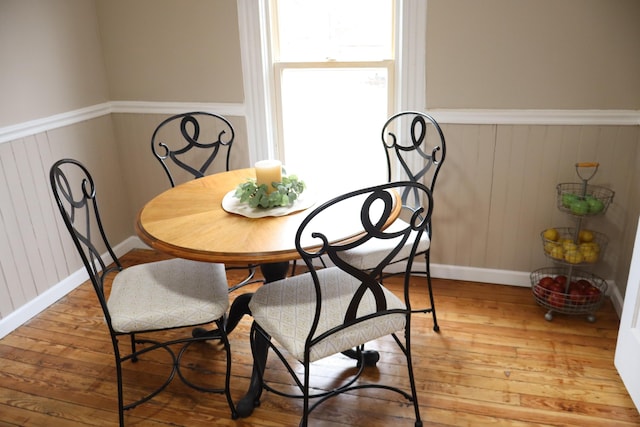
(188, 221)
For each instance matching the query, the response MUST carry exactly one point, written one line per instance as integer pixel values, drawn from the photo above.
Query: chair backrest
(75, 194)
(191, 142)
(415, 149)
(371, 210)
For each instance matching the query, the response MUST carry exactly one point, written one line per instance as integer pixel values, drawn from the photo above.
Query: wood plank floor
(496, 362)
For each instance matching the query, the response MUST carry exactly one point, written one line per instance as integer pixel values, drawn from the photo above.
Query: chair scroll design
(219, 136)
(182, 140)
(427, 163)
(405, 136)
(176, 293)
(329, 310)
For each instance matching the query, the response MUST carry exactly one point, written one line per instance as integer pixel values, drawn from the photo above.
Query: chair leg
(134, 353)
(249, 279)
(436, 327)
(412, 380)
(227, 381)
(116, 353)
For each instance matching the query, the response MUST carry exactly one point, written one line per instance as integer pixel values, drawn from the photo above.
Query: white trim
(444, 116)
(411, 43)
(538, 117)
(34, 307)
(145, 107)
(499, 277)
(32, 127)
(255, 74)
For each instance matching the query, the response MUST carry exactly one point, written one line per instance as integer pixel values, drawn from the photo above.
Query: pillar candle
(268, 171)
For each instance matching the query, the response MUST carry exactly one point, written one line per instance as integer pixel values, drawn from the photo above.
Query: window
(322, 76)
(332, 63)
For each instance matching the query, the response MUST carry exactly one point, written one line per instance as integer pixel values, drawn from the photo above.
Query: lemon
(589, 246)
(590, 256)
(573, 257)
(548, 246)
(568, 245)
(557, 252)
(585, 236)
(551, 234)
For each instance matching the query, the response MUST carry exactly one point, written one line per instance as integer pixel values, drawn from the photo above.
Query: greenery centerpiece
(285, 193)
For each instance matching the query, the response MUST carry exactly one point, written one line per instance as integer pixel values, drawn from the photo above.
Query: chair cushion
(285, 310)
(369, 254)
(168, 294)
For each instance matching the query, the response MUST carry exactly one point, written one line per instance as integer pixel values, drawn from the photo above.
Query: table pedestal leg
(245, 406)
(274, 271)
(240, 306)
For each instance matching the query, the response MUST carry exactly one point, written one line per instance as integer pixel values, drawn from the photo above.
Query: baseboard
(34, 307)
(500, 277)
(471, 274)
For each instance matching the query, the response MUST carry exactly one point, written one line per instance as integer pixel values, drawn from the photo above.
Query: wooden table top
(188, 221)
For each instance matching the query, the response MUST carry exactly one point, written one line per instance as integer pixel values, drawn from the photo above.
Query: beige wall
(533, 54)
(141, 169)
(51, 59)
(171, 50)
(496, 191)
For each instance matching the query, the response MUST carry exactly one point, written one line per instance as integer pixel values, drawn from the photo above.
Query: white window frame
(410, 78)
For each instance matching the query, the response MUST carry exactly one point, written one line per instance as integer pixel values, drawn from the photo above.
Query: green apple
(595, 205)
(568, 199)
(579, 207)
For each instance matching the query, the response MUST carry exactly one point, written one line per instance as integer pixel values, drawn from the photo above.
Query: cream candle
(267, 172)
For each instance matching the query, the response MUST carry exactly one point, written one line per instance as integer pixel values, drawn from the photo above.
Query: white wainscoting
(43, 297)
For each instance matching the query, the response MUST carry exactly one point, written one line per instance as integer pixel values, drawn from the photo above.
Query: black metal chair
(326, 311)
(187, 146)
(144, 300)
(415, 150)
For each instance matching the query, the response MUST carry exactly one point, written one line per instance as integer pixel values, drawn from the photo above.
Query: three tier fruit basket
(568, 287)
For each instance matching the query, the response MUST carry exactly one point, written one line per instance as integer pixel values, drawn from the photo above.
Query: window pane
(334, 29)
(332, 119)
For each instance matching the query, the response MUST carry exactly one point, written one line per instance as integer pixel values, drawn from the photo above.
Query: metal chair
(187, 146)
(326, 311)
(145, 300)
(415, 150)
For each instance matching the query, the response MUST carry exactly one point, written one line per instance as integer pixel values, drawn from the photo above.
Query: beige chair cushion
(369, 254)
(168, 294)
(285, 310)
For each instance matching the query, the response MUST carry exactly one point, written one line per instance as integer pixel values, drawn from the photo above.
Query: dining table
(202, 220)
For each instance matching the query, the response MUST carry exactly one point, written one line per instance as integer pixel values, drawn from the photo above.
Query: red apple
(592, 294)
(556, 287)
(561, 279)
(556, 300)
(539, 291)
(577, 296)
(546, 281)
(583, 284)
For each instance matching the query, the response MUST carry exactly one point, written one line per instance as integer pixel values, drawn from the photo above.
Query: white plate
(232, 204)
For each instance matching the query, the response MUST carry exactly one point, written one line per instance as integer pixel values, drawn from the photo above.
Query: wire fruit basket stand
(565, 288)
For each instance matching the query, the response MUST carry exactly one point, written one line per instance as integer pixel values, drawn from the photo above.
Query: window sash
(253, 16)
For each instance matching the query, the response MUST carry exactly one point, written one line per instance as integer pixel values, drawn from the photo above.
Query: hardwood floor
(496, 361)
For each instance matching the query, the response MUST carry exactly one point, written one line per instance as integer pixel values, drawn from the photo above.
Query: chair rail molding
(538, 117)
(44, 124)
(32, 127)
(443, 116)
